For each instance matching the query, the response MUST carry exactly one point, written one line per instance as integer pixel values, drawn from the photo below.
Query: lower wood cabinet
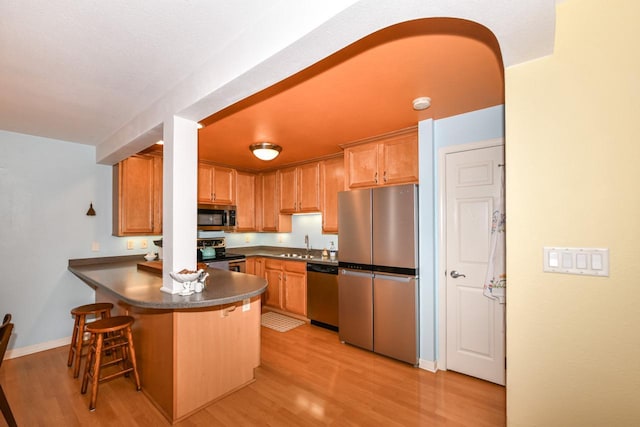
(273, 274)
(295, 287)
(286, 285)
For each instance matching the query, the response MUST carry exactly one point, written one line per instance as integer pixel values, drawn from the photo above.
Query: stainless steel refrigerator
(378, 270)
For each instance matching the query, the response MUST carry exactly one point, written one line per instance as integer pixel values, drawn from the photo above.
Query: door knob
(455, 274)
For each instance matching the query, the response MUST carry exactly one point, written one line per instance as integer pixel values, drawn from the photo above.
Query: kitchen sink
(297, 256)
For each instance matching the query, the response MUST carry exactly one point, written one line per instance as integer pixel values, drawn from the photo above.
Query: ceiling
(109, 74)
(364, 90)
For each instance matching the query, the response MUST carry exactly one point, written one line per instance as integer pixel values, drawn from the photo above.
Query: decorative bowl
(185, 277)
(150, 256)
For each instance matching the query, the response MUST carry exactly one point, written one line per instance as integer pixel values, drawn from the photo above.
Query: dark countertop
(121, 277)
(276, 252)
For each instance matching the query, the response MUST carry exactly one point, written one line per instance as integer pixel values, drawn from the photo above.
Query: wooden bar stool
(5, 333)
(112, 336)
(103, 310)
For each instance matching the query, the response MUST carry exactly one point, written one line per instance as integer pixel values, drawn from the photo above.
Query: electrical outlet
(95, 246)
(246, 304)
(130, 244)
(143, 244)
(247, 239)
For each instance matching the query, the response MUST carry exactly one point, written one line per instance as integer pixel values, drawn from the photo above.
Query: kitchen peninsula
(191, 350)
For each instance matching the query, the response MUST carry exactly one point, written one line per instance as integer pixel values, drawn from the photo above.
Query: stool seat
(111, 336)
(101, 310)
(96, 308)
(111, 324)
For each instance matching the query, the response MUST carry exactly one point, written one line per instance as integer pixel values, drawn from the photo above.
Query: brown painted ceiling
(364, 90)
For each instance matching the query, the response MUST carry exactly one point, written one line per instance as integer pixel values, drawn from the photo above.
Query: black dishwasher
(322, 295)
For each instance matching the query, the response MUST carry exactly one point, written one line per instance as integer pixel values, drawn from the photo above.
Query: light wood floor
(307, 378)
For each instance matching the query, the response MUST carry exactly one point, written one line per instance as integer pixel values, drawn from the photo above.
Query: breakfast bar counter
(191, 350)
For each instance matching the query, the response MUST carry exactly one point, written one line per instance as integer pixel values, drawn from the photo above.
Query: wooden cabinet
(216, 184)
(273, 274)
(250, 265)
(331, 182)
(286, 285)
(245, 201)
(300, 188)
(137, 196)
(270, 217)
(294, 298)
(387, 160)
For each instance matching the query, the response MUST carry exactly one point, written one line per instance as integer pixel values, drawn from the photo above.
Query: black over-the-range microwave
(216, 217)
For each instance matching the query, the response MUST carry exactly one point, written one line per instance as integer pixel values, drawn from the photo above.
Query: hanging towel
(495, 283)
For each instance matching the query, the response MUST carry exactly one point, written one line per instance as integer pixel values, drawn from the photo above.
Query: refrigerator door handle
(395, 277)
(345, 272)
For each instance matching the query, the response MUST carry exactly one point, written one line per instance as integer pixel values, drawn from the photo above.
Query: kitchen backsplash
(308, 224)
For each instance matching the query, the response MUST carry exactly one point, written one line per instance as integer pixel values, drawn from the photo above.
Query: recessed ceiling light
(421, 103)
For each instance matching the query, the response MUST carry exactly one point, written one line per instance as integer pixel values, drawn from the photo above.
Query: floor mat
(279, 322)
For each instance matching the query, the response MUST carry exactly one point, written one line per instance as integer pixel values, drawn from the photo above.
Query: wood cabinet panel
(309, 187)
(288, 190)
(331, 182)
(361, 162)
(273, 274)
(270, 217)
(216, 184)
(269, 202)
(295, 292)
(400, 160)
(300, 188)
(205, 183)
(286, 285)
(224, 189)
(245, 201)
(386, 160)
(137, 196)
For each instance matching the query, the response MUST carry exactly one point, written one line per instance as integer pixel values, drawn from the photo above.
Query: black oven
(216, 217)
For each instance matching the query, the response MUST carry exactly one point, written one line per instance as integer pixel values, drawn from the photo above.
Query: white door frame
(442, 241)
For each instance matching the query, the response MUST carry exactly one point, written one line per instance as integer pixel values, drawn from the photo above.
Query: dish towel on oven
(495, 283)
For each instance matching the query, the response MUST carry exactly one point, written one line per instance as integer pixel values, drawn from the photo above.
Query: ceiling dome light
(421, 103)
(265, 150)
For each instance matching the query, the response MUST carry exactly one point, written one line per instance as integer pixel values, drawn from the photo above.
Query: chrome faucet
(306, 242)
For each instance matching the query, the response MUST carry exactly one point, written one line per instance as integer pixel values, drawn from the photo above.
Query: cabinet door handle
(384, 176)
(375, 178)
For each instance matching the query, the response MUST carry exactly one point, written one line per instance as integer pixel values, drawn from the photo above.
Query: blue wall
(465, 128)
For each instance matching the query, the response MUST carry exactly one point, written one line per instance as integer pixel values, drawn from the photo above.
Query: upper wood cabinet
(386, 160)
(137, 196)
(331, 182)
(245, 201)
(216, 184)
(300, 188)
(270, 218)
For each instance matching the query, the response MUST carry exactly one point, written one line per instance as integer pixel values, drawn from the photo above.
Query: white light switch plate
(580, 261)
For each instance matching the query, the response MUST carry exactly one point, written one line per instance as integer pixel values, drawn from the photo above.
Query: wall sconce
(91, 211)
(265, 150)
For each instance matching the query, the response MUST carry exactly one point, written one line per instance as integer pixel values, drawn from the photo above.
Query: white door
(475, 333)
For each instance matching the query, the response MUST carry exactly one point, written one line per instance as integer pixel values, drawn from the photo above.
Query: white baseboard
(428, 365)
(23, 351)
